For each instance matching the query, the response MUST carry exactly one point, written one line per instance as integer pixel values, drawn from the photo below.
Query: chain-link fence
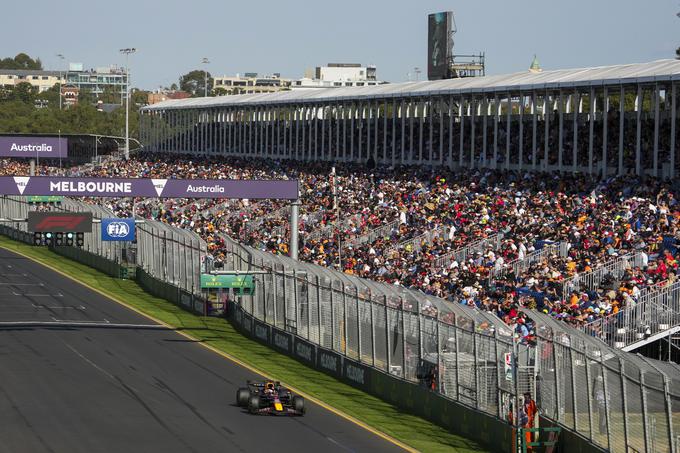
(619, 401)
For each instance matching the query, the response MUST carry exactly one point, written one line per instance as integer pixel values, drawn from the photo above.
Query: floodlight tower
(127, 52)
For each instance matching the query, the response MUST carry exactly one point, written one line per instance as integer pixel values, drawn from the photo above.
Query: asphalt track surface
(124, 384)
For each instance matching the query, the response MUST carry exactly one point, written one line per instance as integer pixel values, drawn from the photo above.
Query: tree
(24, 92)
(194, 83)
(21, 61)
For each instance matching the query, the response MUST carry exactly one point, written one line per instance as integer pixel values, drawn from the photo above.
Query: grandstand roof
(661, 70)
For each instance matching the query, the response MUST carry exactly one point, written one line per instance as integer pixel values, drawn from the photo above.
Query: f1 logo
(60, 222)
(51, 222)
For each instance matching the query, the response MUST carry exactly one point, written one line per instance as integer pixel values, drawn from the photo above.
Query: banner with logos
(118, 229)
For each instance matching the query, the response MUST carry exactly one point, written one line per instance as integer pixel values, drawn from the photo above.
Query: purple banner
(144, 187)
(33, 147)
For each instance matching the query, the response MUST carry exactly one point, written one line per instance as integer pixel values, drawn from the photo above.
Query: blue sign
(118, 229)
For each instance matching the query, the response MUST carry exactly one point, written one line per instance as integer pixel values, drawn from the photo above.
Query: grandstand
(611, 120)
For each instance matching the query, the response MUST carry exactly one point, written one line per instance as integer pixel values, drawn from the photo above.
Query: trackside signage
(282, 340)
(34, 147)
(60, 222)
(146, 187)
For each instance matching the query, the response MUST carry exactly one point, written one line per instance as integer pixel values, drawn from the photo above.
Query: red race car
(269, 398)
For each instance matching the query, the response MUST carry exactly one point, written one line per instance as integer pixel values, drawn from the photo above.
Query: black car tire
(298, 404)
(242, 396)
(254, 404)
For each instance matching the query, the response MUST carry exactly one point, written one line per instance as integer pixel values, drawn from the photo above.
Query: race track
(123, 383)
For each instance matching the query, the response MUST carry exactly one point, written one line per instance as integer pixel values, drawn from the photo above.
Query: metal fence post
(356, 288)
(264, 297)
(344, 316)
(645, 425)
(318, 309)
(605, 389)
(403, 341)
(558, 382)
(332, 317)
(589, 393)
(669, 411)
(625, 401)
(296, 303)
(275, 295)
(476, 367)
(285, 301)
(574, 400)
(370, 307)
(456, 337)
(387, 337)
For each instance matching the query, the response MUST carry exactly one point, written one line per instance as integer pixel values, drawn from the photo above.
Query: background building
(249, 83)
(44, 80)
(160, 96)
(337, 75)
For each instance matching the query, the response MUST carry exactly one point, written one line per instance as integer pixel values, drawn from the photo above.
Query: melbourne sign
(147, 187)
(118, 229)
(60, 222)
(40, 147)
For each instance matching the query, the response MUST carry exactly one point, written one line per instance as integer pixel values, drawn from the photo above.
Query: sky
(289, 36)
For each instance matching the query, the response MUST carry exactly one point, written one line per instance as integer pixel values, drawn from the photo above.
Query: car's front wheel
(242, 396)
(254, 404)
(298, 404)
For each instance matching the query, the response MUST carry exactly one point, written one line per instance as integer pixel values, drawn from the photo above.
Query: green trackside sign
(244, 283)
(45, 198)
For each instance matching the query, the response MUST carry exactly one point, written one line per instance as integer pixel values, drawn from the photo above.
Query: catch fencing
(619, 401)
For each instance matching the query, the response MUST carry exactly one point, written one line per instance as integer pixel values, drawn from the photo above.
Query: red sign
(60, 222)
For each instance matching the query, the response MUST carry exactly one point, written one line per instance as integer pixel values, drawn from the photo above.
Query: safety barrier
(372, 235)
(463, 253)
(519, 265)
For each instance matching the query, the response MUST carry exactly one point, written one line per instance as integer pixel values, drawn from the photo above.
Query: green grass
(411, 430)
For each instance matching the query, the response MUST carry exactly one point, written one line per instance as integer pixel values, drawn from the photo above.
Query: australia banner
(146, 187)
(34, 147)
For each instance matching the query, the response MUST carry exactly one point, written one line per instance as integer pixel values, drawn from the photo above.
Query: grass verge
(411, 430)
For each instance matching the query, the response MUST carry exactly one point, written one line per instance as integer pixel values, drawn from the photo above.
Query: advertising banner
(282, 340)
(306, 351)
(118, 229)
(59, 222)
(146, 187)
(34, 147)
(330, 362)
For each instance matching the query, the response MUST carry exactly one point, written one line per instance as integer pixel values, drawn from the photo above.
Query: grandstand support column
(534, 127)
(622, 114)
(521, 132)
(323, 134)
(605, 387)
(421, 122)
(473, 143)
(546, 129)
(574, 395)
(461, 116)
(655, 160)
(591, 128)
(430, 120)
(574, 142)
(450, 131)
(560, 146)
(508, 111)
(638, 129)
(605, 132)
(376, 148)
(352, 114)
(294, 215)
(441, 107)
(410, 131)
(369, 117)
(674, 110)
(497, 112)
(485, 118)
(394, 133)
(624, 402)
(402, 111)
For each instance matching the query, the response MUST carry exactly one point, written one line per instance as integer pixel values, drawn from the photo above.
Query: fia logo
(118, 229)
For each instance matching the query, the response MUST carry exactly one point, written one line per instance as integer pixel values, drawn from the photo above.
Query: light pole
(205, 61)
(127, 53)
(417, 71)
(61, 63)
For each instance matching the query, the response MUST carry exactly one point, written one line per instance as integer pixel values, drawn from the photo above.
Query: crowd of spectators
(399, 226)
